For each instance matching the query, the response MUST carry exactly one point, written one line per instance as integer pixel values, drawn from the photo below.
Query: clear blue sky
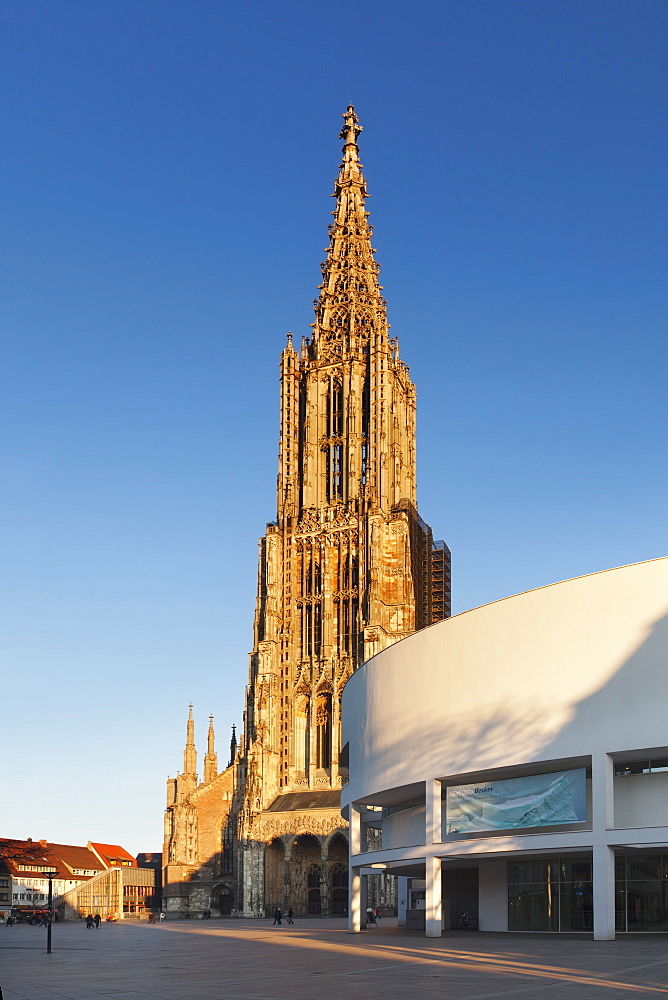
(166, 181)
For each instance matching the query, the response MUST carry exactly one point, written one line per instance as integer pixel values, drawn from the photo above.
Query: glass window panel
(578, 870)
(644, 866)
(620, 908)
(577, 906)
(530, 908)
(659, 765)
(519, 871)
(539, 871)
(620, 868)
(631, 767)
(647, 905)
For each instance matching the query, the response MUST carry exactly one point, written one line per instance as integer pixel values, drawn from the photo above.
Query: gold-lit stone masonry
(347, 568)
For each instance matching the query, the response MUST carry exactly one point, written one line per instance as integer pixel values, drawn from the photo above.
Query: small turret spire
(190, 753)
(233, 746)
(211, 759)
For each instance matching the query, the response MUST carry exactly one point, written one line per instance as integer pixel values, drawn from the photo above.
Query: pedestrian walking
(89, 921)
(377, 914)
(98, 920)
(370, 915)
(290, 915)
(10, 921)
(162, 915)
(278, 914)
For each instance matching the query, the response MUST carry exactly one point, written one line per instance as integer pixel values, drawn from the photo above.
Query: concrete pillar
(603, 872)
(602, 794)
(603, 857)
(493, 896)
(433, 897)
(403, 886)
(433, 812)
(355, 885)
(357, 895)
(355, 832)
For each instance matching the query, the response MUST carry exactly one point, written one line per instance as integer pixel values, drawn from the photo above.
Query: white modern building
(515, 758)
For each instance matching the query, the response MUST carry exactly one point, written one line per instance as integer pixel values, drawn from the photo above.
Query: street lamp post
(49, 873)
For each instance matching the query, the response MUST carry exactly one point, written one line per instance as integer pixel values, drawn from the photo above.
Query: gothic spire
(190, 754)
(350, 309)
(211, 759)
(233, 745)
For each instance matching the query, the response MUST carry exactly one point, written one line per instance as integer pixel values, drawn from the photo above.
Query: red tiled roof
(113, 852)
(63, 857)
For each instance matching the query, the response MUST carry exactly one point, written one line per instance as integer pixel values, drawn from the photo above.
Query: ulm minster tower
(347, 568)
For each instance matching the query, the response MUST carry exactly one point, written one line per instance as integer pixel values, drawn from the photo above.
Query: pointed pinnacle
(352, 127)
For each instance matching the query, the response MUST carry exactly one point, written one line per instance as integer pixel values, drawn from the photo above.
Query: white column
(433, 813)
(355, 888)
(355, 833)
(603, 871)
(493, 895)
(433, 897)
(603, 856)
(355, 901)
(403, 885)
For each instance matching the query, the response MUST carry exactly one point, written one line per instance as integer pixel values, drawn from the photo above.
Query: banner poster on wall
(534, 800)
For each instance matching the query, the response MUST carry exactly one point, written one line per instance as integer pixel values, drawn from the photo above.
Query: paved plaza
(319, 960)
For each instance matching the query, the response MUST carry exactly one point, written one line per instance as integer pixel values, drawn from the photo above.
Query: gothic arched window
(311, 606)
(335, 407)
(226, 847)
(335, 473)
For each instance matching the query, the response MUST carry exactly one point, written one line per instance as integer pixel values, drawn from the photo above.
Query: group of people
(93, 921)
(372, 914)
(35, 919)
(278, 916)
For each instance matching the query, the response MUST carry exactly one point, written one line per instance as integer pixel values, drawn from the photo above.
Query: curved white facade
(574, 675)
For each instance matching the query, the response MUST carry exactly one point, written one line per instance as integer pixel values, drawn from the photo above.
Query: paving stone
(319, 960)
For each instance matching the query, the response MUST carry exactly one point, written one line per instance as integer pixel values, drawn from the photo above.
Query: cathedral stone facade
(347, 568)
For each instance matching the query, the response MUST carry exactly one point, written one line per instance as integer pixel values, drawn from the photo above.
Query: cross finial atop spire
(352, 127)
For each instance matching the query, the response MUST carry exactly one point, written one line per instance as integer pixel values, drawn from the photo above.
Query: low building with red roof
(24, 886)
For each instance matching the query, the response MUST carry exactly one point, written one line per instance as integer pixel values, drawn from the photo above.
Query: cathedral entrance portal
(337, 863)
(306, 875)
(274, 876)
(339, 891)
(313, 900)
(223, 900)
